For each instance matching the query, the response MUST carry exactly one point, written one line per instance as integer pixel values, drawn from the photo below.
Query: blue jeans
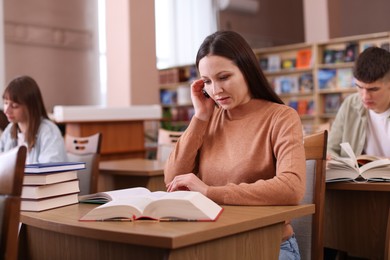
(289, 249)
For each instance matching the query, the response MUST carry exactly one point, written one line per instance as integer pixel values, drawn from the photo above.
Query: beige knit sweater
(250, 155)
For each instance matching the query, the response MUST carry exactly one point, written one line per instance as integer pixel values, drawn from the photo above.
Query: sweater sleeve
(287, 187)
(183, 158)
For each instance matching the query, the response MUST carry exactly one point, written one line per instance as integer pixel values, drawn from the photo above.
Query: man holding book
(364, 118)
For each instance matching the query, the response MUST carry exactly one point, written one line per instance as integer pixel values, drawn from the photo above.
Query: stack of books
(50, 185)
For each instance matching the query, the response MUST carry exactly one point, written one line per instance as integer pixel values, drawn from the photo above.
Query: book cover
(327, 78)
(288, 63)
(328, 56)
(50, 190)
(304, 59)
(140, 203)
(274, 63)
(54, 167)
(263, 63)
(306, 83)
(302, 107)
(293, 104)
(351, 52)
(332, 103)
(345, 78)
(357, 168)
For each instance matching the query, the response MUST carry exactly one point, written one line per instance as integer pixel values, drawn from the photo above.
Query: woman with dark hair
(243, 146)
(29, 124)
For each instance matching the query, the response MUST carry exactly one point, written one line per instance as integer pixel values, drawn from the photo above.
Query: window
(181, 26)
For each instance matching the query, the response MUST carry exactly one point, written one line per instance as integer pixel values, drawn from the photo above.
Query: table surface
(359, 186)
(233, 220)
(133, 167)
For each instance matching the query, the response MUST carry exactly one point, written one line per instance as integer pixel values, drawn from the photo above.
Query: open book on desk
(357, 168)
(140, 203)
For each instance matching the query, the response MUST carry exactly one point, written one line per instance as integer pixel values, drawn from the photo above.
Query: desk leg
(387, 244)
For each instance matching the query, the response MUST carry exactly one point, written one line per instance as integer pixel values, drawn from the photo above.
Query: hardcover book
(48, 203)
(48, 178)
(357, 168)
(304, 59)
(140, 203)
(54, 167)
(50, 190)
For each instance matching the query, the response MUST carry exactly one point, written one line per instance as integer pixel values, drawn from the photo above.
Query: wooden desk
(126, 173)
(357, 219)
(240, 233)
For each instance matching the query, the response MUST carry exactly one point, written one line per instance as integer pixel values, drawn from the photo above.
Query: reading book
(357, 168)
(140, 203)
(54, 167)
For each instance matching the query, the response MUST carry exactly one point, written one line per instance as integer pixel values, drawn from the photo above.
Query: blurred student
(29, 124)
(363, 119)
(243, 146)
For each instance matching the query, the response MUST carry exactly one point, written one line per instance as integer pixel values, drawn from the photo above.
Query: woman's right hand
(203, 105)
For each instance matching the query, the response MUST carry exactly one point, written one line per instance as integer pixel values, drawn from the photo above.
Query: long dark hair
(233, 46)
(24, 90)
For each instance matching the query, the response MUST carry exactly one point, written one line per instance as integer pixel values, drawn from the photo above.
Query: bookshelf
(313, 78)
(316, 89)
(175, 96)
(290, 70)
(338, 56)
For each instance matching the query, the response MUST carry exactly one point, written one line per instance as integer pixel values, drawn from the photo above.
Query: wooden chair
(166, 141)
(309, 230)
(11, 180)
(85, 149)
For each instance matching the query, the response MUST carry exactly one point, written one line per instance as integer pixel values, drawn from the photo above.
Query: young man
(364, 118)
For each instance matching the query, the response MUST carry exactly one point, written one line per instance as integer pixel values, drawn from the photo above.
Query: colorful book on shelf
(54, 167)
(48, 178)
(306, 83)
(332, 103)
(302, 107)
(50, 190)
(48, 203)
(140, 203)
(361, 168)
(327, 78)
(288, 63)
(304, 59)
(274, 63)
(286, 84)
(351, 52)
(344, 78)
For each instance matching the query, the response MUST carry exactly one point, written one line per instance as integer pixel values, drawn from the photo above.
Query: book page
(375, 164)
(117, 209)
(341, 170)
(378, 174)
(185, 205)
(103, 197)
(348, 149)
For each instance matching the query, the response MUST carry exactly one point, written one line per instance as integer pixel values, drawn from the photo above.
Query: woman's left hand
(187, 181)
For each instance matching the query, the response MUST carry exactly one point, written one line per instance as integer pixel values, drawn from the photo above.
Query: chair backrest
(166, 141)
(309, 230)
(85, 149)
(12, 165)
